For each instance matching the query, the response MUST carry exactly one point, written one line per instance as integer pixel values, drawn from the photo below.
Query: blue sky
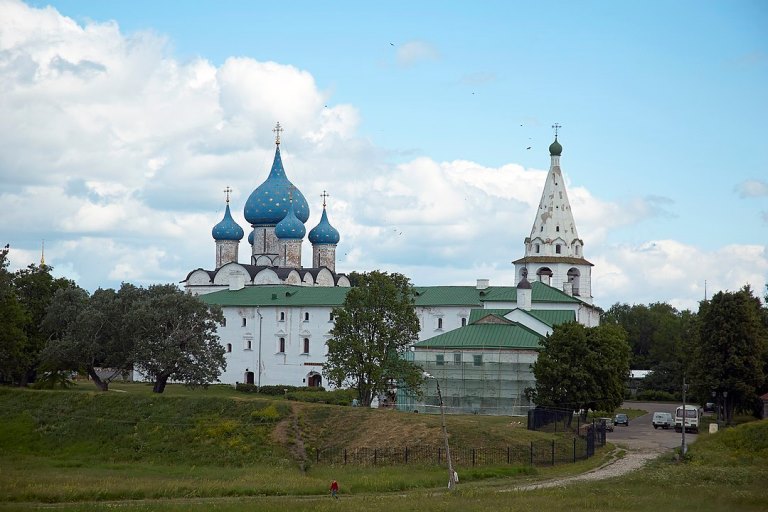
(399, 110)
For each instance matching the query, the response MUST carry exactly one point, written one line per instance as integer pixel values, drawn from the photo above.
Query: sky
(428, 124)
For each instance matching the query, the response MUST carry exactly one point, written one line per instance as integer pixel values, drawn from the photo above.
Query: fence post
(574, 450)
(345, 456)
(553, 452)
(531, 453)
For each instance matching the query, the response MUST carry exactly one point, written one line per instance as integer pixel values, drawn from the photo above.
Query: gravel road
(640, 440)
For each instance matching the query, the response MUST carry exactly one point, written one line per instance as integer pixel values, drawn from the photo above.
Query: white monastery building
(479, 340)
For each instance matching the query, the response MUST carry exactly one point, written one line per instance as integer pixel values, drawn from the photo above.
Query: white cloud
(116, 154)
(752, 188)
(415, 52)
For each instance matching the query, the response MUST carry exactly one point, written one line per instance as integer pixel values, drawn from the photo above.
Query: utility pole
(684, 448)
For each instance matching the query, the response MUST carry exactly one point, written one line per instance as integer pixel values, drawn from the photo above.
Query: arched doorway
(248, 376)
(314, 380)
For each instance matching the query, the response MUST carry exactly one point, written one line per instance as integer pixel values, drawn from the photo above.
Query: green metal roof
(477, 314)
(288, 295)
(553, 317)
(279, 295)
(509, 336)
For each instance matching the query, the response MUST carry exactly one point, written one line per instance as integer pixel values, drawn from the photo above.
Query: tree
(88, 332)
(13, 320)
(175, 338)
(731, 353)
(373, 329)
(34, 286)
(582, 367)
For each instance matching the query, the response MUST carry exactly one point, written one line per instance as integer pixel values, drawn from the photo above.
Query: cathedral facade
(278, 313)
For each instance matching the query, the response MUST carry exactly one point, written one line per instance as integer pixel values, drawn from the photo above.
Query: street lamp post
(451, 474)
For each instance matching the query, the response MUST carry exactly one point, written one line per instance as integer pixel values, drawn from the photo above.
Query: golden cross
(277, 129)
(556, 126)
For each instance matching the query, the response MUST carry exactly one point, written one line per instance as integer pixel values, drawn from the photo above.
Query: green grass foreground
(215, 450)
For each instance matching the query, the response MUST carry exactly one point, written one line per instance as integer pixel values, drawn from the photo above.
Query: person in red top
(335, 489)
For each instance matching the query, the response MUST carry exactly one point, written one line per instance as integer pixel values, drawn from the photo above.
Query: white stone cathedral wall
(264, 242)
(324, 256)
(226, 252)
(291, 252)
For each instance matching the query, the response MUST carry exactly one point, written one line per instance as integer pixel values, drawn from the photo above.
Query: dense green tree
(34, 287)
(732, 346)
(582, 367)
(655, 332)
(175, 338)
(13, 320)
(372, 330)
(89, 332)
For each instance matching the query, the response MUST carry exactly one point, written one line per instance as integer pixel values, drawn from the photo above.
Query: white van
(663, 420)
(692, 418)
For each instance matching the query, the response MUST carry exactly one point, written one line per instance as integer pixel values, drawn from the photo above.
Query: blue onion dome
(290, 228)
(324, 233)
(227, 229)
(250, 237)
(268, 204)
(555, 149)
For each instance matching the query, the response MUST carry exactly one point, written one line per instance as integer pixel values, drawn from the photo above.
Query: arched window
(282, 316)
(248, 344)
(229, 347)
(463, 321)
(306, 346)
(558, 248)
(244, 321)
(439, 323)
(224, 322)
(538, 248)
(544, 275)
(574, 277)
(306, 317)
(281, 346)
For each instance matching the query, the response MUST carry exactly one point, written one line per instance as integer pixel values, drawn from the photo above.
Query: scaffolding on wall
(486, 381)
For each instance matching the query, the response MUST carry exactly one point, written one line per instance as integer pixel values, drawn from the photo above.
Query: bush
(336, 397)
(276, 390)
(656, 396)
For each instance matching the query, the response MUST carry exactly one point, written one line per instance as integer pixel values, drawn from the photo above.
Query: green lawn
(216, 449)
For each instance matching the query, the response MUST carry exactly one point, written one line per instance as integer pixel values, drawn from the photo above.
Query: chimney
(524, 292)
(568, 288)
(236, 281)
(482, 284)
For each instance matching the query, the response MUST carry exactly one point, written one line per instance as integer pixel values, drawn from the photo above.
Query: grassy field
(216, 449)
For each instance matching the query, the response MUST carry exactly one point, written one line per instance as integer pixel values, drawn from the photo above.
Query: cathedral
(479, 340)
(277, 211)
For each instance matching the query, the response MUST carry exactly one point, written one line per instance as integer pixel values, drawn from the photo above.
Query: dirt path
(617, 466)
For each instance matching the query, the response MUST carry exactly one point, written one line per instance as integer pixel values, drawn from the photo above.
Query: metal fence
(537, 453)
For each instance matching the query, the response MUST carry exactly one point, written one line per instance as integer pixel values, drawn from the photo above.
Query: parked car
(621, 419)
(709, 407)
(608, 422)
(663, 420)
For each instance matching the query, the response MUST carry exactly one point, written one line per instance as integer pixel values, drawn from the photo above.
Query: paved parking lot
(640, 434)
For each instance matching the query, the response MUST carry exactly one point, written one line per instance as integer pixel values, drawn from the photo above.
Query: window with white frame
(281, 345)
